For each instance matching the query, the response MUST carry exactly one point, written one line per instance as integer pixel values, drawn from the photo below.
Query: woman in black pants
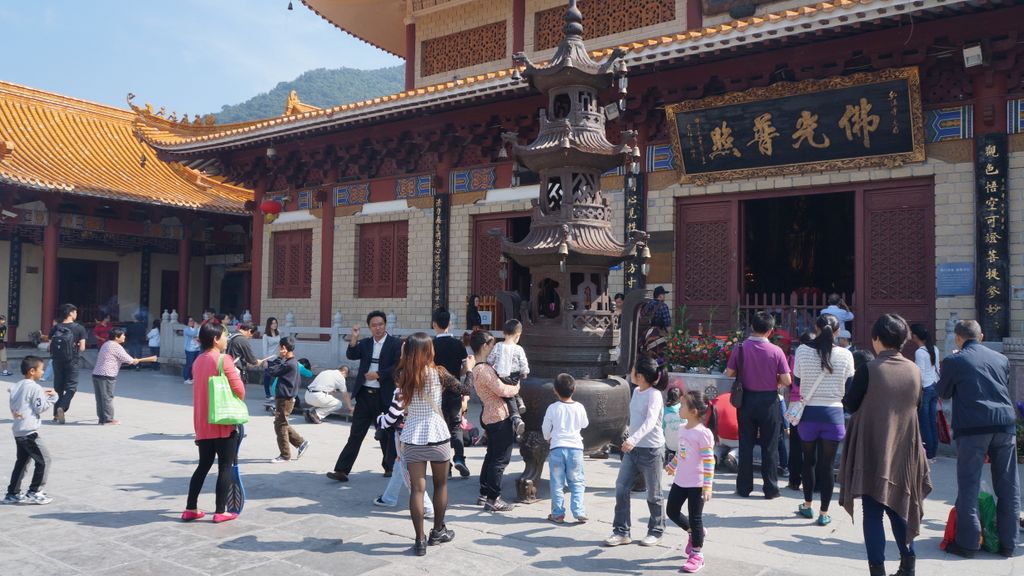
(496, 420)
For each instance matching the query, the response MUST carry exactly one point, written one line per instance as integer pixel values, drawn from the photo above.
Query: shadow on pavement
(127, 518)
(252, 543)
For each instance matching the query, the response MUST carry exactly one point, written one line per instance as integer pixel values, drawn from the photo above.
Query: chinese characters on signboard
(439, 267)
(635, 211)
(14, 287)
(993, 294)
(870, 119)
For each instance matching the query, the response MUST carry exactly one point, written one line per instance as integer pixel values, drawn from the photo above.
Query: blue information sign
(955, 279)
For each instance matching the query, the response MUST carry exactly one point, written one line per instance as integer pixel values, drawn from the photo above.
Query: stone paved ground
(118, 492)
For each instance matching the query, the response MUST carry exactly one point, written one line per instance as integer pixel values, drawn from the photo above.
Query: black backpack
(62, 344)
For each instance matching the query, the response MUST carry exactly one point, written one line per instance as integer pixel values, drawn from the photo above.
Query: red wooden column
(184, 258)
(990, 94)
(327, 253)
(51, 242)
(694, 15)
(410, 55)
(256, 274)
(518, 25)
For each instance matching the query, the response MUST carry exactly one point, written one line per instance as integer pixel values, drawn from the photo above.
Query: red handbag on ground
(945, 434)
(950, 534)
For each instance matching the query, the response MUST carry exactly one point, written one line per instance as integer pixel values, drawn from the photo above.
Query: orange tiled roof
(62, 144)
(186, 139)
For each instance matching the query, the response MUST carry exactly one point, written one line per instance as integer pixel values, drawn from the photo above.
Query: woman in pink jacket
(212, 439)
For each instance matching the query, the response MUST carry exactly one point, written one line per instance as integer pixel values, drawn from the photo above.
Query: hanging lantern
(271, 206)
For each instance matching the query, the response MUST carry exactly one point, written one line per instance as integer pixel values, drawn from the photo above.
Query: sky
(191, 56)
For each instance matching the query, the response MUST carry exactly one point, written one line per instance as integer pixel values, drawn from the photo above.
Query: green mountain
(322, 88)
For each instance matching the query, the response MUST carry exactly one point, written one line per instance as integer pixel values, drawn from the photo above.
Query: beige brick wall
(306, 310)
(463, 17)
(1015, 199)
(412, 311)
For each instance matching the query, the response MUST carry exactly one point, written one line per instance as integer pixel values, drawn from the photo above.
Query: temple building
(92, 217)
(787, 151)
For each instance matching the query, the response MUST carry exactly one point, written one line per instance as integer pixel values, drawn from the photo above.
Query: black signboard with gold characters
(993, 294)
(856, 121)
(439, 264)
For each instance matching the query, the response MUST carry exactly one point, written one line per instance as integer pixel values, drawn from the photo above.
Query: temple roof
(56, 143)
(380, 23)
(839, 17)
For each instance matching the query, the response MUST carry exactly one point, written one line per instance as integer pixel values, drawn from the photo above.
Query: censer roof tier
(589, 243)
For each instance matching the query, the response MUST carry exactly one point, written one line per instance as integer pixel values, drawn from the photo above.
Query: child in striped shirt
(694, 474)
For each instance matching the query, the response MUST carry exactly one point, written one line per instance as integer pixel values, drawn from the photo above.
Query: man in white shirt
(321, 395)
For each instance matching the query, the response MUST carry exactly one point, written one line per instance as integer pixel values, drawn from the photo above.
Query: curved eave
(379, 23)
(837, 18)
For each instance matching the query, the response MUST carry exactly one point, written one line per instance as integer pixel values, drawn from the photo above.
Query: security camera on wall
(8, 214)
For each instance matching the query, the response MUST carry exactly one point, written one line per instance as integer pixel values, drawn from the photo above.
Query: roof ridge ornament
(573, 20)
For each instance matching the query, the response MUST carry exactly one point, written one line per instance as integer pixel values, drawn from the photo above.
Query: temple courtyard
(118, 492)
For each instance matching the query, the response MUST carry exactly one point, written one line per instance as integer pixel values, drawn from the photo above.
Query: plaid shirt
(424, 423)
(110, 358)
(660, 316)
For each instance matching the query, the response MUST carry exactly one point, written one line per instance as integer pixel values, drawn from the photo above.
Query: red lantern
(270, 207)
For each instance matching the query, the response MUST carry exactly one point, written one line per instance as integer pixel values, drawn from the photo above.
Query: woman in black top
(472, 313)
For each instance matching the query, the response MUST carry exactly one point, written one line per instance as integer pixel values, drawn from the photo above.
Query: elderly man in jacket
(977, 378)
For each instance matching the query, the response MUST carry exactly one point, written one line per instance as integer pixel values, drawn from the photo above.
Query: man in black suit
(984, 422)
(374, 387)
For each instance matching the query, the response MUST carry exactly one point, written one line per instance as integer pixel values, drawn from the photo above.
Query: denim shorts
(811, 431)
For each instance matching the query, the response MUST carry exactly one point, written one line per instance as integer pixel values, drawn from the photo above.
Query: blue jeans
(649, 462)
(928, 416)
(566, 464)
(970, 462)
(186, 371)
(874, 532)
(400, 479)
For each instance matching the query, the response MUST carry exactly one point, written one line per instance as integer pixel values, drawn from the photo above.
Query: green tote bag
(225, 407)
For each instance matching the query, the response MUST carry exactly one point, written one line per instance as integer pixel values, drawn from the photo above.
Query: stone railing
(1013, 348)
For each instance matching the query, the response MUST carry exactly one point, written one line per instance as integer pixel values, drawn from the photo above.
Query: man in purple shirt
(765, 370)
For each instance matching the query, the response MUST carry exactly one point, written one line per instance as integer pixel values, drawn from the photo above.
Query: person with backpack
(241, 351)
(67, 342)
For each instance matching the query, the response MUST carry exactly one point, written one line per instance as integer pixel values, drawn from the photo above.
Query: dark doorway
(169, 292)
(519, 276)
(803, 244)
(231, 293)
(91, 286)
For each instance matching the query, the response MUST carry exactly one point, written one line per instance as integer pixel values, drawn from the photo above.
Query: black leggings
(818, 466)
(225, 450)
(695, 523)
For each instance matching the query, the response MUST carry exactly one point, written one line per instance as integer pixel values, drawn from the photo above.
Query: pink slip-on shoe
(189, 515)
(218, 518)
(689, 541)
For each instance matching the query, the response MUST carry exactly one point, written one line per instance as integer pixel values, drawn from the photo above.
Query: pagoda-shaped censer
(571, 246)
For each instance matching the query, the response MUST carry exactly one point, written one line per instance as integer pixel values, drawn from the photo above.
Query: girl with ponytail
(823, 369)
(926, 356)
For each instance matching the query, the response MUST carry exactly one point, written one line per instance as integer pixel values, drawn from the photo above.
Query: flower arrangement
(701, 352)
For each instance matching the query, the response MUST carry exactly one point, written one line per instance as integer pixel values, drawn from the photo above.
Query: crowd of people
(879, 408)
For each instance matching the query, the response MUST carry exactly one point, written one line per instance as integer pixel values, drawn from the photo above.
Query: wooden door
(707, 269)
(169, 292)
(896, 256)
(487, 266)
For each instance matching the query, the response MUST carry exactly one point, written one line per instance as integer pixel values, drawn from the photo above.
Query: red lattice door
(896, 267)
(487, 280)
(707, 277)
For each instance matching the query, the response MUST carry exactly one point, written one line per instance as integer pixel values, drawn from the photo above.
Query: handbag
(945, 434)
(225, 407)
(795, 411)
(736, 390)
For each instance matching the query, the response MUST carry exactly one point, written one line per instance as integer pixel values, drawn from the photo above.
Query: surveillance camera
(8, 214)
(271, 152)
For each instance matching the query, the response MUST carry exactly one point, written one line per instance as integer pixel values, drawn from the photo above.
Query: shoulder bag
(736, 391)
(225, 407)
(796, 409)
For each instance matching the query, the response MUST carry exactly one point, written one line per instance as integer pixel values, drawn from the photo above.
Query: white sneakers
(620, 539)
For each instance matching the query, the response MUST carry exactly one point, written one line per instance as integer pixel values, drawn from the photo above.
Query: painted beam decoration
(414, 187)
(472, 180)
(439, 267)
(993, 294)
(856, 121)
(352, 194)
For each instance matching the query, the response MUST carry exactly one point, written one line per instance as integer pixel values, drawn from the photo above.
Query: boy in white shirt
(509, 360)
(563, 422)
(28, 402)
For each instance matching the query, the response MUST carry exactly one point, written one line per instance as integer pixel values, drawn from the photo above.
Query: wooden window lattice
(602, 18)
(383, 260)
(485, 43)
(292, 270)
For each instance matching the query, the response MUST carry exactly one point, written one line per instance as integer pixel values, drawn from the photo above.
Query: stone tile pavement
(118, 492)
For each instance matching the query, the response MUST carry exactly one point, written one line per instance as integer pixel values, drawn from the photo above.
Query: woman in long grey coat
(883, 461)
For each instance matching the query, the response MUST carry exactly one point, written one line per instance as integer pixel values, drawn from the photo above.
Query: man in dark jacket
(450, 353)
(374, 387)
(977, 378)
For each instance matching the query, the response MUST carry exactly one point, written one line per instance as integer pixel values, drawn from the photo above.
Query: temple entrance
(91, 285)
(490, 273)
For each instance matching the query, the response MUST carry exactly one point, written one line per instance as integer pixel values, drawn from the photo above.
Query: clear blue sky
(188, 55)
